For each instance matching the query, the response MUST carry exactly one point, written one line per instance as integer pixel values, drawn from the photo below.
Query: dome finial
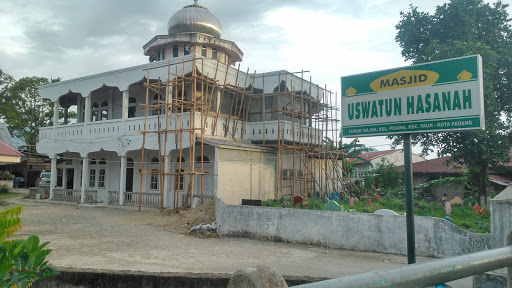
(195, 1)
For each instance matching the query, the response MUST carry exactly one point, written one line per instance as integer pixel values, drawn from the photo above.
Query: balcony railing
(75, 195)
(108, 128)
(254, 131)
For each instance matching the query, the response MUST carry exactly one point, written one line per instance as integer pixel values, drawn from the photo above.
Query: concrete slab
(124, 239)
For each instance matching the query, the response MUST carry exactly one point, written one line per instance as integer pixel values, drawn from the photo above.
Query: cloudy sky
(330, 38)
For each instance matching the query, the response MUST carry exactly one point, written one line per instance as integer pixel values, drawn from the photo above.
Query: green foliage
(351, 150)
(10, 222)
(460, 28)
(4, 189)
(387, 176)
(5, 175)
(21, 261)
(369, 180)
(21, 107)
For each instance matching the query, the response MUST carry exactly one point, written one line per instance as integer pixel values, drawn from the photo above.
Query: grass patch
(8, 195)
(462, 216)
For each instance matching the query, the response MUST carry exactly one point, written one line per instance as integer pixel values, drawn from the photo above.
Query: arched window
(175, 51)
(214, 53)
(185, 50)
(155, 160)
(129, 163)
(92, 162)
(155, 102)
(95, 112)
(204, 158)
(102, 161)
(203, 51)
(178, 159)
(101, 178)
(163, 54)
(132, 107)
(104, 110)
(153, 183)
(92, 178)
(179, 178)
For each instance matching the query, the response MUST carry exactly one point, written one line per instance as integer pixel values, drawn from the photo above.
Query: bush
(4, 189)
(22, 262)
(6, 176)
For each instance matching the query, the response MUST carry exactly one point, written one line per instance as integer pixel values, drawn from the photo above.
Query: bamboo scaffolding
(310, 117)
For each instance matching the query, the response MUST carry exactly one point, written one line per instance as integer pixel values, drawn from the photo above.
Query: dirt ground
(121, 238)
(182, 221)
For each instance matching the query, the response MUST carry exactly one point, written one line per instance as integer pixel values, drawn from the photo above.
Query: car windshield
(46, 175)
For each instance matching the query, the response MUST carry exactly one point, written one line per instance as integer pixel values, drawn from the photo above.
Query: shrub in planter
(4, 189)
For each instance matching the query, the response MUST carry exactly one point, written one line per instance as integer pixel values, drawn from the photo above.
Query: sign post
(409, 208)
(438, 96)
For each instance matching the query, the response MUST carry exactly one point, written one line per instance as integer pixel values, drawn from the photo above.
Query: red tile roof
(373, 155)
(377, 154)
(509, 164)
(437, 165)
(6, 150)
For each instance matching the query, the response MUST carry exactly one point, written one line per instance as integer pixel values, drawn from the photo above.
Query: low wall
(7, 183)
(435, 237)
(90, 278)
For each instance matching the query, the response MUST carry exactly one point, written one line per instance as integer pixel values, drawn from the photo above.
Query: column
(79, 109)
(87, 115)
(85, 177)
(167, 187)
(126, 97)
(56, 113)
(215, 173)
(53, 179)
(122, 180)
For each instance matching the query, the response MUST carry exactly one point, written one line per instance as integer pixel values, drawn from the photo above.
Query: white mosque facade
(188, 123)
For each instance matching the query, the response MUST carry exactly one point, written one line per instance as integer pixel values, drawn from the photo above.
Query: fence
(428, 273)
(75, 195)
(132, 198)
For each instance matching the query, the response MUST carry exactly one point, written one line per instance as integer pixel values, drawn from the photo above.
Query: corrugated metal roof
(437, 165)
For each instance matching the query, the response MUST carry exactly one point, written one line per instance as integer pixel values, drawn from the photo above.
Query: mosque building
(190, 126)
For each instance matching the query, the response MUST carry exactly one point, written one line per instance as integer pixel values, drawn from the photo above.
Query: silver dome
(194, 19)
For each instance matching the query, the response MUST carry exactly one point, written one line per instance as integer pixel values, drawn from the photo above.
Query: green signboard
(432, 97)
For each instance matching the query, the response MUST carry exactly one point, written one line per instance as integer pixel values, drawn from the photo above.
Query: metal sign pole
(411, 241)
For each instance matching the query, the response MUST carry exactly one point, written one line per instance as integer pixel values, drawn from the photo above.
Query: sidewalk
(114, 238)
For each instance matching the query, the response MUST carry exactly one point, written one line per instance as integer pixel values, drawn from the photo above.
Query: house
(8, 154)
(423, 172)
(501, 177)
(189, 124)
(395, 157)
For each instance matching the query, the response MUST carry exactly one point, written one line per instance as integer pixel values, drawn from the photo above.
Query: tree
(460, 28)
(6, 81)
(387, 175)
(22, 109)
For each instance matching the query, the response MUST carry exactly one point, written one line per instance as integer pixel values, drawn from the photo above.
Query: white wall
(245, 174)
(435, 237)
